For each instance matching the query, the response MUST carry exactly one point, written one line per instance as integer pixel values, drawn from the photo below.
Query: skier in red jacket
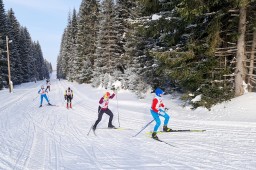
(157, 109)
(103, 108)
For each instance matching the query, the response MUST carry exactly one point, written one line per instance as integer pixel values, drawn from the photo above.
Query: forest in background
(26, 58)
(202, 48)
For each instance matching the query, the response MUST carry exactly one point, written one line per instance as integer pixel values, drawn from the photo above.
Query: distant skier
(43, 92)
(103, 108)
(157, 109)
(48, 85)
(69, 96)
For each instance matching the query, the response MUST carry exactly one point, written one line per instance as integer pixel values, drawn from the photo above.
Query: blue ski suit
(157, 109)
(43, 92)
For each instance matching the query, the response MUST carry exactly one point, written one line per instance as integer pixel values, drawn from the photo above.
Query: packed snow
(54, 137)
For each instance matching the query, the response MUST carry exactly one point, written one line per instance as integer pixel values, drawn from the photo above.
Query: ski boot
(70, 106)
(154, 136)
(111, 127)
(49, 104)
(166, 129)
(67, 105)
(93, 129)
(40, 105)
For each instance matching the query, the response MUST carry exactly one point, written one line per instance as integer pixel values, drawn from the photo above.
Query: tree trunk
(252, 60)
(240, 55)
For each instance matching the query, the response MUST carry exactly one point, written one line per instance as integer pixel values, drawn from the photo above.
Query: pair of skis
(119, 128)
(181, 130)
(49, 105)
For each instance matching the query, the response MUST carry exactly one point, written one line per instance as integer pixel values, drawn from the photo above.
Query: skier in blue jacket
(43, 92)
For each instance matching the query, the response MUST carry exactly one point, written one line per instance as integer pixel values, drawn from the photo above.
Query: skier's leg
(157, 119)
(46, 98)
(68, 100)
(99, 118)
(166, 120)
(41, 101)
(108, 112)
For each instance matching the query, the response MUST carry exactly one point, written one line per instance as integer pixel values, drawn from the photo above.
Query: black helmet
(68, 88)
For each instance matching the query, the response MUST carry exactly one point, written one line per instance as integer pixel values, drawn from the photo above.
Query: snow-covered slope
(53, 137)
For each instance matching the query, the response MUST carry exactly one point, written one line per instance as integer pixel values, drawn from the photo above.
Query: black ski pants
(69, 98)
(108, 112)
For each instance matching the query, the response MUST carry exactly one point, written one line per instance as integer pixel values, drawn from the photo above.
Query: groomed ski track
(54, 138)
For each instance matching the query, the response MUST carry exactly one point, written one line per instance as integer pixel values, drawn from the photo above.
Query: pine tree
(15, 60)
(26, 59)
(40, 61)
(73, 40)
(3, 58)
(108, 53)
(86, 37)
(25, 53)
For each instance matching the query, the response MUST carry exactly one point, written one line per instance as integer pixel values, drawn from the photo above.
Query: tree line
(196, 47)
(26, 57)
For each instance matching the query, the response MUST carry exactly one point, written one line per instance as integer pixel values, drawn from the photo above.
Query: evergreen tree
(240, 55)
(13, 34)
(3, 58)
(73, 51)
(40, 61)
(86, 36)
(26, 59)
(108, 52)
(25, 53)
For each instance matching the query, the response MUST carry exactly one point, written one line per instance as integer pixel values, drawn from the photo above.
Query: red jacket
(104, 102)
(157, 103)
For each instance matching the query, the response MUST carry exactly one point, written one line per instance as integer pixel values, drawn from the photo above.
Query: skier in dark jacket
(48, 85)
(103, 108)
(69, 96)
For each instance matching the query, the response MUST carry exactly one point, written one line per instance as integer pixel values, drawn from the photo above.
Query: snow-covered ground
(53, 137)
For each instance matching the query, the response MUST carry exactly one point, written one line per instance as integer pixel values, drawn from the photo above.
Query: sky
(45, 21)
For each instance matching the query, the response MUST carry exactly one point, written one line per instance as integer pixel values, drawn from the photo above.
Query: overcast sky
(45, 21)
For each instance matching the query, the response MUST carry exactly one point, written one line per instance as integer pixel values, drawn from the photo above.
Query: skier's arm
(39, 91)
(112, 96)
(65, 95)
(101, 100)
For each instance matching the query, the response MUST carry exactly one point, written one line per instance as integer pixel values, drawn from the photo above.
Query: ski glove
(160, 112)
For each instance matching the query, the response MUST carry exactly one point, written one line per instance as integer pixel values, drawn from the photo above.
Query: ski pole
(93, 124)
(89, 131)
(117, 109)
(35, 98)
(144, 127)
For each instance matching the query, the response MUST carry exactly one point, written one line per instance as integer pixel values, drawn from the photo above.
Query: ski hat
(107, 94)
(68, 88)
(158, 92)
(42, 87)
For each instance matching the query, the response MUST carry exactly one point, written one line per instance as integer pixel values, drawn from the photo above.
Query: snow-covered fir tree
(3, 33)
(86, 36)
(26, 58)
(108, 55)
(183, 45)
